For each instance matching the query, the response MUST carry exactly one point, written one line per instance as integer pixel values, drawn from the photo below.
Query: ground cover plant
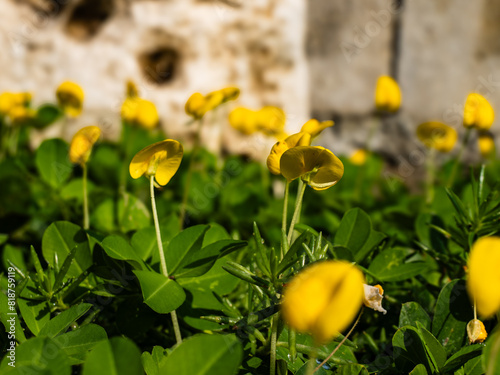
(147, 256)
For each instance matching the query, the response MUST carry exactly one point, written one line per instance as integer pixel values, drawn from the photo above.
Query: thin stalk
(340, 343)
(85, 199)
(274, 338)
(451, 179)
(312, 361)
(285, 206)
(189, 176)
(295, 217)
(163, 263)
(431, 171)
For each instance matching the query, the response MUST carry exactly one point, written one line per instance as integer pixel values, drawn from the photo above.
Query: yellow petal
(486, 144)
(483, 282)
(129, 109)
(10, 100)
(271, 120)
(323, 299)
(297, 139)
(478, 112)
(230, 93)
(243, 120)
(476, 331)
(195, 105)
(435, 134)
(319, 167)
(387, 94)
(161, 159)
(147, 115)
(70, 97)
(358, 157)
(82, 142)
(314, 127)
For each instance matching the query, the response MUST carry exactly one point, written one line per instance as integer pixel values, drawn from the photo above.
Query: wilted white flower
(373, 297)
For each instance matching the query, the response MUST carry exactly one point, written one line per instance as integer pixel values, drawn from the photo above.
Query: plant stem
(340, 343)
(285, 206)
(163, 263)
(429, 191)
(274, 338)
(298, 205)
(310, 365)
(85, 199)
(451, 179)
(189, 176)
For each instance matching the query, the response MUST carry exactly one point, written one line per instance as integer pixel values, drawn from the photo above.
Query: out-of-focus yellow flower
(161, 160)
(435, 134)
(476, 331)
(270, 120)
(131, 90)
(314, 127)
(20, 114)
(387, 95)
(373, 297)
(486, 144)
(323, 299)
(11, 100)
(197, 104)
(478, 112)
(359, 157)
(315, 165)
(244, 120)
(70, 97)
(140, 112)
(81, 144)
(273, 160)
(483, 283)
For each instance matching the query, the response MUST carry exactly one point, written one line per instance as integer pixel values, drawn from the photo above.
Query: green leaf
(132, 213)
(491, 357)
(35, 314)
(60, 323)
(15, 255)
(152, 361)
(77, 344)
(39, 355)
(419, 370)
(429, 236)
(303, 370)
(462, 356)
(74, 189)
(103, 216)
(389, 266)
(452, 313)
(475, 366)
(409, 350)
(183, 247)
(5, 316)
(58, 241)
(160, 293)
(374, 239)
(411, 313)
(118, 248)
(115, 356)
(294, 251)
(354, 230)
(205, 355)
(47, 114)
(434, 348)
(53, 163)
(351, 369)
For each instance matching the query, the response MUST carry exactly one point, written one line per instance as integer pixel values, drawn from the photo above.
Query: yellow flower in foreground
(273, 160)
(483, 283)
(323, 299)
(315, 165)
(486, 144)
(359, 157)
(435, 134)
(70, 97)
(161, 160)
(387, 94)
(314, 127)
(81, 144)
(476, 331)
(478, 112)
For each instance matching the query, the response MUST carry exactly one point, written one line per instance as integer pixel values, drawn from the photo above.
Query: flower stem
(296, 212)
(274, 339)
(285, 206)
(163, 263)
(85, 199)
(431, 171)
(465, 140)
(340, 343)
(310, 364)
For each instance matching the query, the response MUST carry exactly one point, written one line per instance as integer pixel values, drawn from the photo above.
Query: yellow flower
(476, 331)
(81, 144)
(373, 297)
(435, 134)
(10, 100)
(70, 97)
(314, 127)
(483, 283)
(270, 120)
(387, 95)
(358, 157)
(323, 299)
(20, 114)
(244, 120)
(478, 112)
(140, 112)
(161, 160)
(197, 104)
(230, 93)
(486, 144)
(315, 165)
(273, 160)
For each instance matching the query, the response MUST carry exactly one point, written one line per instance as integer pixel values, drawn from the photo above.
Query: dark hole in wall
(160, 65)
(88, 17)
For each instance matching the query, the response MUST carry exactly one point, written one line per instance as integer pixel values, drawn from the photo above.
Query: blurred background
(315, 58)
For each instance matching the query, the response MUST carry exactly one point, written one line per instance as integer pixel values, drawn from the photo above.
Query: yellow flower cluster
(198, 104)
(70, 97)
(478, 112)
(269, 120)
(138, 111)
(16, 106)
(81, 144)
(435, 134)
